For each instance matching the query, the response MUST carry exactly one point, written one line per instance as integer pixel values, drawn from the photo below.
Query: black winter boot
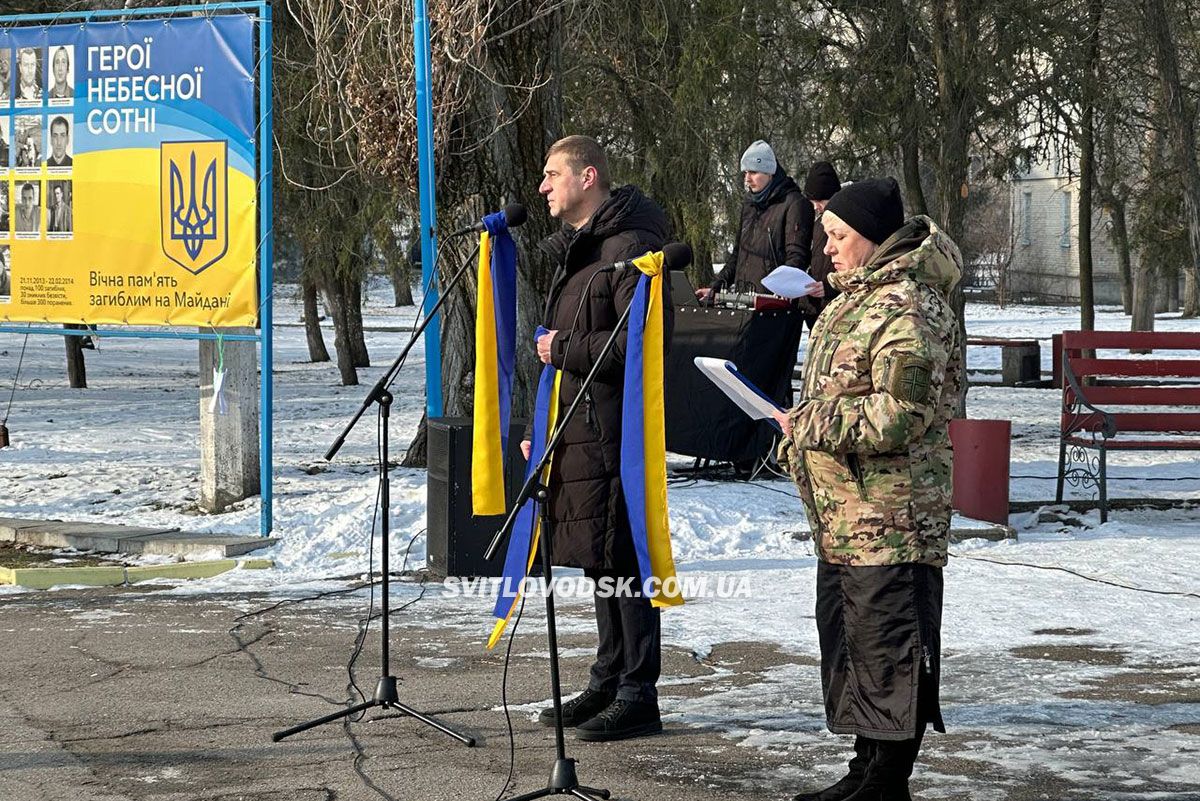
(581, 709)
(620, 721)
(848, 783)
(887, 775)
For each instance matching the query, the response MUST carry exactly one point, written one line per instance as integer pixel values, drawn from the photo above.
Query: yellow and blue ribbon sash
(523, 541)
(644, 440)
(495, 358)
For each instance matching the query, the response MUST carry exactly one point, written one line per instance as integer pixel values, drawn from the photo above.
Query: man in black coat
(586, 506)
(776, 226)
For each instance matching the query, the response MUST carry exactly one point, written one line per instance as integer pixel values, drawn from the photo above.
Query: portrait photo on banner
(5, 209)
(61, 84)
(5, 273)
(28, 221)
(5, 78)
(27, 141)
(59, 216)
(61, 134)
(28, 91)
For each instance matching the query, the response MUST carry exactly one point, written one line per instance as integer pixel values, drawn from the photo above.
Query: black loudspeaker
(456, 539)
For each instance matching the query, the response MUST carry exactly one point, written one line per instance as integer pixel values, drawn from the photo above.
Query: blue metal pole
(433, 334)
(266, 268)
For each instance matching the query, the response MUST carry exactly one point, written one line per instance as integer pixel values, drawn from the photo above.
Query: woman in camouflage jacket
(869, 449)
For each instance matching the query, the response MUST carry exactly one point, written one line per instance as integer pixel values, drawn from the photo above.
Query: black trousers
(629, 655)
(880, 634)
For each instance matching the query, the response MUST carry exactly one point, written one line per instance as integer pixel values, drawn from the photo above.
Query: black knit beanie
(822, 182)
(872, 207)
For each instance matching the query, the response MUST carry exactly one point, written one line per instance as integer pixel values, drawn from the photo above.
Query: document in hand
(749, 398)
(788, 282)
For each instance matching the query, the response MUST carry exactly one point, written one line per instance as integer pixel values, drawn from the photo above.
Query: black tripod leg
(588, 794)
(428, 721)
(312, 724)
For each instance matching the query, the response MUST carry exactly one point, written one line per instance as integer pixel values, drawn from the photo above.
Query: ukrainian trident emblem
(195, 203)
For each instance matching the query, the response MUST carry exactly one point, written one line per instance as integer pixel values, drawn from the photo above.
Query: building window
(1027, 218)
(1065, 239)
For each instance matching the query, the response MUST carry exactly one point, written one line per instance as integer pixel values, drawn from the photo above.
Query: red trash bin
(981, 468)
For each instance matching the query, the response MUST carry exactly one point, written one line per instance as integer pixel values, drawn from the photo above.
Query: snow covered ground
(1035, 630)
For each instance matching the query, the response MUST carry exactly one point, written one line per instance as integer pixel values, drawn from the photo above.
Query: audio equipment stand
(386, 696)
(563, 779)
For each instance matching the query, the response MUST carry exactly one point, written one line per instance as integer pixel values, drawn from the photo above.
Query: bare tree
(1180, 112)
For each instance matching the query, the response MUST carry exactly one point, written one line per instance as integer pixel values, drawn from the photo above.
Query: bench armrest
(1109, 429)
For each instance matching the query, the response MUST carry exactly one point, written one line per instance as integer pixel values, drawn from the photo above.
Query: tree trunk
(1145, 297)
(1120, 239)
(910, 123)
(954, 36)
(1113, 193)
(337, 299)
(1182, 135)
(512, 166)
(76, 370)
(312, 322)
(458, 335)
(401, 283)
(518, 130)
(1087, 169)
(354, 323)
(1087, 299)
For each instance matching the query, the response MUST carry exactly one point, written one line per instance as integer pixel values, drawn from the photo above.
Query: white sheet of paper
(747, 396)
(788, 282)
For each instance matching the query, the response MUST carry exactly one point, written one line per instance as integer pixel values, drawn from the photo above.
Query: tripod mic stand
(563, 779)
(386, 696)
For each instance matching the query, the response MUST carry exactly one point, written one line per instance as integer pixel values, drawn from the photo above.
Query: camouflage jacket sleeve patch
(909, 378)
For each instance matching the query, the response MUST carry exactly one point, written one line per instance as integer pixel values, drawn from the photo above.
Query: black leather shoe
(848, 784)
(620, 721)
(584, 707)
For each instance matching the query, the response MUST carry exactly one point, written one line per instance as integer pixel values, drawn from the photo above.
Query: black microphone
(676, 257)
(514, 215)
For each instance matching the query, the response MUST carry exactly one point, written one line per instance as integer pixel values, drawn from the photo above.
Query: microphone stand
(563, 779)
(386, 696)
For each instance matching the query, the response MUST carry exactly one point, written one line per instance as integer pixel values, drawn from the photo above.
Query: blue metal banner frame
(266, 228)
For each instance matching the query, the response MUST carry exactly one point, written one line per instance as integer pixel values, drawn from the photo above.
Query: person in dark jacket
(776, 226)
(821, 184)
(586, 506)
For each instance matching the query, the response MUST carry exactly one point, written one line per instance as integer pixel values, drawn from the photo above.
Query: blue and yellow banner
(644, 439)
(526, 533)
(495, 361)
(127, 172)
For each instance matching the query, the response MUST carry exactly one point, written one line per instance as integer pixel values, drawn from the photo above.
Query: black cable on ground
(1076, 573)
(512, 740)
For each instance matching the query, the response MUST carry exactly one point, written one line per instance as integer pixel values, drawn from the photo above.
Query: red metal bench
(1094, 389)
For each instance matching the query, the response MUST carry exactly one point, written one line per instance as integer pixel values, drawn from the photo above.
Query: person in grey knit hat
(775, 226)
(760, 158)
